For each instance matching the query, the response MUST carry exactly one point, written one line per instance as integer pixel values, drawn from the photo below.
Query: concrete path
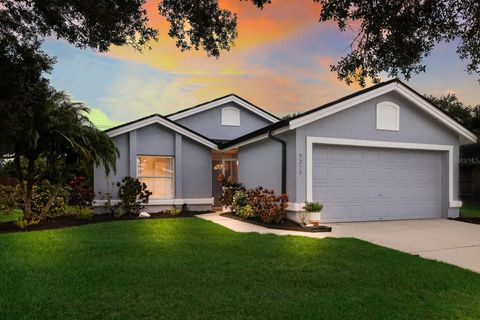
(453, 242)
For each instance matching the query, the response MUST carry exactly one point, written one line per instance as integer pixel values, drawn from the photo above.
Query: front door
(223, 164)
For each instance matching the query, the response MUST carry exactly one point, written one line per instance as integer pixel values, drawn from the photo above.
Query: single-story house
(382, 153)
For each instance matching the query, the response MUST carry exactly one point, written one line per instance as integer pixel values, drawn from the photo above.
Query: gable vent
(388, 116)
(230, 117)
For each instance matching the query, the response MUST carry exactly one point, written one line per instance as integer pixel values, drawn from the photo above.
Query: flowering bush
(44, 195)
(81, 192)
(8, 201)
(229, 188)
(133, 195)
(246, 212)
(269, 207)
(239, 201)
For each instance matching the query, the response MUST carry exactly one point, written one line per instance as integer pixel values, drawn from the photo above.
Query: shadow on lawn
(191, 268)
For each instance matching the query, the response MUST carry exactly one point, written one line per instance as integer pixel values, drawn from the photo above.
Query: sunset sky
(280, 62)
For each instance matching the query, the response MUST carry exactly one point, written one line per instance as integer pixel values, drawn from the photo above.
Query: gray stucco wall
(192, 161)
(197, 170)
(103, 184)
(155, 140)
(209, 123)
(260, 163)
(359, 122)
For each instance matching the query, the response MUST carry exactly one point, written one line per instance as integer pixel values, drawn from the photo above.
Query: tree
(290, 115)
(391, 36)
(456, 109)
(59, 131)
(97, 24)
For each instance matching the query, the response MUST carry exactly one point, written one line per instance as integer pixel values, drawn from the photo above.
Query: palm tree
(59, 131)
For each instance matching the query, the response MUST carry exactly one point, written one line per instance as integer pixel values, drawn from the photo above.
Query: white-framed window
(157, 172)
(230, 117)
(388, 116)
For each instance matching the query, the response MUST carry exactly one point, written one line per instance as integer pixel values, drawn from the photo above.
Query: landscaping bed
(71, 221)
(285, 225)
(473, 220)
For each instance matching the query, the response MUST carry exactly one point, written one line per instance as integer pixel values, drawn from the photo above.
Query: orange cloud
(278, 20)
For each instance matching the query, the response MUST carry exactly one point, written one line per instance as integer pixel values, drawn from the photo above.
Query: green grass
(470, 211)
(190, 268)
(17, 213)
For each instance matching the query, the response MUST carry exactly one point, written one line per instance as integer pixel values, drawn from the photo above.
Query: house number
(300, 160)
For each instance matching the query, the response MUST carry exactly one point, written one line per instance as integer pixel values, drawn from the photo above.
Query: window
(157, 173)
(388, 116)
(230, 117)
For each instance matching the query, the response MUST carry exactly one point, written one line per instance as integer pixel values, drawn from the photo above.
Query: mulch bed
(286, 225)
(468, 220)
(69, 221)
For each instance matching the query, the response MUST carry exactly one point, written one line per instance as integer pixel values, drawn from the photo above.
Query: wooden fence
(8, 181)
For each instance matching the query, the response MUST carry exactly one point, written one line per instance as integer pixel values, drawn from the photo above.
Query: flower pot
(314, 218)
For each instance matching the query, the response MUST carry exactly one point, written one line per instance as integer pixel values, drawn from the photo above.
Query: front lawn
(470, 211)
(190, 268)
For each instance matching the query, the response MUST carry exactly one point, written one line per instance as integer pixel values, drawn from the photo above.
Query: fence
(8, 181)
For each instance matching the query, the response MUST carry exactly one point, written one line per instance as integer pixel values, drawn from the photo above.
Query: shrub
(229, 188)
(107, 206)
(24, 223)
(82, 213)
(174, 211)
(239, 200)
(246, 212)
(133, 195)
(81, 192)
(42, 193)
(312, 207)
(266, 205)
(8, 200)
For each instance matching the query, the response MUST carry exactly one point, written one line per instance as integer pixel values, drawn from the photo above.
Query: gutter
(284, 160)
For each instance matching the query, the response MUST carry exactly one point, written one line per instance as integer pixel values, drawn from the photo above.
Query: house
(382, 153)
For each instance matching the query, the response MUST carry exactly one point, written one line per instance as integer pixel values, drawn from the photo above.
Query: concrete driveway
(453, 242)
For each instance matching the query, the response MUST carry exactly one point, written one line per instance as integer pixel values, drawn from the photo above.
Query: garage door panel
(356, 183)
(337, 173)
(320, 173)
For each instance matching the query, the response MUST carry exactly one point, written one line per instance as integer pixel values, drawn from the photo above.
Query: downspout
(284, 160)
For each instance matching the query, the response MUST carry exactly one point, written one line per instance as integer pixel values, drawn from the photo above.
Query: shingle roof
(281, 123)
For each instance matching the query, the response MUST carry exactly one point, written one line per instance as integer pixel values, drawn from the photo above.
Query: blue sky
(281, 64)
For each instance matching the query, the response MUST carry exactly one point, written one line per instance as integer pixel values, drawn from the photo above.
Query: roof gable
(219, 102)
(156, 118)
(376, 91)
(352, 100)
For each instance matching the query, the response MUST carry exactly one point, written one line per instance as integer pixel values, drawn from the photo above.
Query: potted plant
(311, 208)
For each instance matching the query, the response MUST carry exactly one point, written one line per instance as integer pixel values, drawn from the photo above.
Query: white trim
(294, 206)
(157, 119)
(257, 138)
(160, 202)
(216, 103)
(230, 119)
(394, 86)
(378, 144)
(173, 176)
(455, 204)
(387, 124)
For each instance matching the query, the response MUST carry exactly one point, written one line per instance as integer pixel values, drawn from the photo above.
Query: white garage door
(361, 184)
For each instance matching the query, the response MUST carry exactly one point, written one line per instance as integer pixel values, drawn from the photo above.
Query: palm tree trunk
(26, 185)
(50, 201)
(26, 196)
(27, 212)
